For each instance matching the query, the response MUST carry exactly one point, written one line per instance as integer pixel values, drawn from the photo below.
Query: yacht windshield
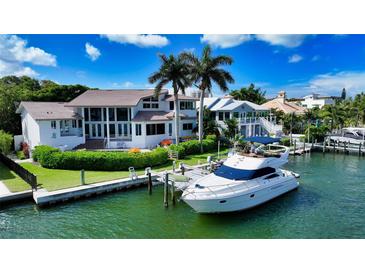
(242, 174)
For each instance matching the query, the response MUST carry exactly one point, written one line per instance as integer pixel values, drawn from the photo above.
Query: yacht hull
(244, 201)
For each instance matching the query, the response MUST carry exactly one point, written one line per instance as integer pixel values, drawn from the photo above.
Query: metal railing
(28, 177)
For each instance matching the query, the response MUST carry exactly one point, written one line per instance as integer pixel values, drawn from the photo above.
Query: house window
(104, 114)
(170, 129)
(186, 105)
(226, 116)
(150, 103)
(155, 129)
(138, 129)
(188, 126)
(220, 116)
(95, 114)
(53, 124)
(112, 130)
(125, 129)
(235, 115)
(111, 114)
(171, 105)
(74, 123)
(86, 110)
(122, 114)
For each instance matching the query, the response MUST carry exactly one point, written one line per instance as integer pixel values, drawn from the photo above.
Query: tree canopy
(251, 93)
(14, 89)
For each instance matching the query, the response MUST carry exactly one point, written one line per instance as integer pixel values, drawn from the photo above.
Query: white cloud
(285, 40)
(316, 58)
(14, 68)
(140, 40)
(14, 52)
(295, 58)
(353, 81)
(328, 84)
(92, 52)
(128, 84)
(225, 40)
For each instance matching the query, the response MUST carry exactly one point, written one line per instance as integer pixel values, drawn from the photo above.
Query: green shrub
(285, 141)
(40, 152)
(20, 155)
(179, 149)
(98, 160)
(6, 140)
(193, 147)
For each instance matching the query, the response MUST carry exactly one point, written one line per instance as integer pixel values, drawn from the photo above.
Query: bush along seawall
(49, 157)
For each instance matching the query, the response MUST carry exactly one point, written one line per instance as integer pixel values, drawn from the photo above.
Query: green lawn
(12, 181)
(54, 179)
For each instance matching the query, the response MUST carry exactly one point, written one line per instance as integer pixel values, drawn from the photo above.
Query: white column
(107, 128)
(83, 125)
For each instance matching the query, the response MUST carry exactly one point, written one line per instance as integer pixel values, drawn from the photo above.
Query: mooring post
(219, 145)
(304, 146)
(149, 182)
(334, 146)
(174, 166)
(324, 145)
(166, 191)
(295, 146)
(82, 176)
(182, 168)
(360, 149)
(173, 199)
(344, 147)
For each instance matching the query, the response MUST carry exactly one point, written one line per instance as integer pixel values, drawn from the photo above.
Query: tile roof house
(114, 118)
(281, 103)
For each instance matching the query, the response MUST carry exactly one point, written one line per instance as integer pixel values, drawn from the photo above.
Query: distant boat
(352, 135)
(243, 181)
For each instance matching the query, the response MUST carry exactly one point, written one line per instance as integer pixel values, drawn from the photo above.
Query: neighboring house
(316, 100)
(281, 103)
(107, 119)
(253, 119)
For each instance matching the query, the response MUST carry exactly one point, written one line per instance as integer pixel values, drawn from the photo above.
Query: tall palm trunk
(201, 114)
(177, 116)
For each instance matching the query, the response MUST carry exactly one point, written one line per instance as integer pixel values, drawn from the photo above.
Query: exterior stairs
(272, 128)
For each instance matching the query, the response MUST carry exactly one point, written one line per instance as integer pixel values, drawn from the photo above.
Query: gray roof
(229, 104)
(143, 116)
(111, 98)
(181, 97)
(48, 111)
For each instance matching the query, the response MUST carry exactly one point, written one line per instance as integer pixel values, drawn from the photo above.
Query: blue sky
(299, 64)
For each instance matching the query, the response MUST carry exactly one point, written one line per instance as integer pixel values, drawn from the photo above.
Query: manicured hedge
(193, 146)
(50, 157)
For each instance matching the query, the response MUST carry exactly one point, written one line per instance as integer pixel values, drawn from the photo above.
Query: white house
(316, 100)
(253, 119)
(107, 119)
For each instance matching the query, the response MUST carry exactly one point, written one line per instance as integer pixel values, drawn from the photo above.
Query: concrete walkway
(3, 189)
(7, 196)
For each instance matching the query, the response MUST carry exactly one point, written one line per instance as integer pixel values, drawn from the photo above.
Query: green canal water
(330, 203)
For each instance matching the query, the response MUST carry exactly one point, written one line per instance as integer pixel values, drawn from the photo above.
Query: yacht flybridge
(243, 181)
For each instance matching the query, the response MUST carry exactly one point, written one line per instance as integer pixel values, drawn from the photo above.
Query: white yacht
(243, 181)
(352, 135)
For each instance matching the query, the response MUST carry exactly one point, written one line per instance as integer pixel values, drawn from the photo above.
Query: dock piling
(360, 149)
(149, 182)
(173, 199)
(166, 191)
(295, 146)
(82, 176)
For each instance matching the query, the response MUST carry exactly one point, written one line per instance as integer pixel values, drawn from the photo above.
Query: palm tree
(251, 93)
(175, 70)
(207, 70)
